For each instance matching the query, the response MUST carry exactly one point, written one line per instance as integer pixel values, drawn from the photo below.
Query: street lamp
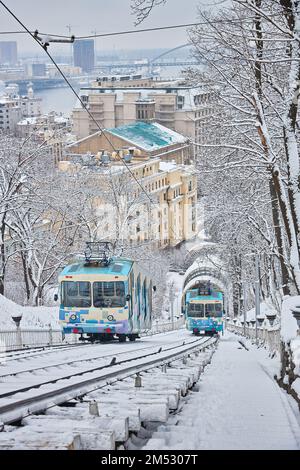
(252, 323)
(171, 299)
(243, 299)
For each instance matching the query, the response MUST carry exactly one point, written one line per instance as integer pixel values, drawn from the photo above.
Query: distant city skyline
(86, 17)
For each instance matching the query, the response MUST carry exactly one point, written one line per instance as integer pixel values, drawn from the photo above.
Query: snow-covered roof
(148, 136)
(27, 121)
(168, 166)
(42, 120)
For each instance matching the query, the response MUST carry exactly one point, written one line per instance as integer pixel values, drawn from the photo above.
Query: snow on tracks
(121, 406)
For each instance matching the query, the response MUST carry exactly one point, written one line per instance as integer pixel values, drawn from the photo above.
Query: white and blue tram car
(204, 310)
(105, 297)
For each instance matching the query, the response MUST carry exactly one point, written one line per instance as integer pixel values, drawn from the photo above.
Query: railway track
(18, 371)
(37, 394)
(14, 354)
(36, 351)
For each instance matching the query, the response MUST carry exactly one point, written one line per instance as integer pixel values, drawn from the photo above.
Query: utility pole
(244, 307)
(257, 294)
(171, 298)
(69, 28)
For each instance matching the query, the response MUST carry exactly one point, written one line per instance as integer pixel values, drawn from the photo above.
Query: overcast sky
(86, 16)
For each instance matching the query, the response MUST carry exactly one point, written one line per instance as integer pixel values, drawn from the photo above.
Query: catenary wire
(134, 31)
(82, 103)
(79, 98)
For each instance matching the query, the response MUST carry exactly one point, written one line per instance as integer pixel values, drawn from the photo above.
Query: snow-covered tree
(250, 48)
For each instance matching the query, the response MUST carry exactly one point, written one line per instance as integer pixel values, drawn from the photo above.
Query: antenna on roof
(98, 252)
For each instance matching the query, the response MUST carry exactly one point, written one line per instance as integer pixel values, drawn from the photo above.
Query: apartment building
(30, 104)
(52, 128)
(119, 101)
(14, 107)
(10, 114)
(151, 139)
(166, 217)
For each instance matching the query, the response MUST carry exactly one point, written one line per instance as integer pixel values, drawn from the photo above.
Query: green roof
(148, 136)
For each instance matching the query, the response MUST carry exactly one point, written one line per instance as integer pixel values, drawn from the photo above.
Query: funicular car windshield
(109, 294)
(196, 310)
(76, 294)
(213, 310)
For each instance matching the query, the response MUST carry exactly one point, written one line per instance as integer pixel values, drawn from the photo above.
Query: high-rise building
(36, 70)
(84, 54)
(8, 52)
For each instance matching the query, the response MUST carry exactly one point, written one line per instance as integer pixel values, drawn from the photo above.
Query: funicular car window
(196, 310)
(210, 310)
(218, 310)
(76, 294)
(109, 294)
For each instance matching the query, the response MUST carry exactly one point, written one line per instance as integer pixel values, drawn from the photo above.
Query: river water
(62, 100)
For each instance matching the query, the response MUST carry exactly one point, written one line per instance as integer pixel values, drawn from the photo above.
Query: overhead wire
(102, 130)
(134, 31)
(79, 98)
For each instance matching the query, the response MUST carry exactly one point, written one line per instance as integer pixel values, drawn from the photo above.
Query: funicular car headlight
(73, 316)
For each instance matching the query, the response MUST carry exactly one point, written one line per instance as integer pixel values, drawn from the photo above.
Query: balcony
(166, 110)
(164, 118)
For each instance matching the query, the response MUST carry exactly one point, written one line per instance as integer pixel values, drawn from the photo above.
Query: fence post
(17, 320)
(50, 335)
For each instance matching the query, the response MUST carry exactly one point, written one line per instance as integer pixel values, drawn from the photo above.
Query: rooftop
(148, 136)
(117, 266)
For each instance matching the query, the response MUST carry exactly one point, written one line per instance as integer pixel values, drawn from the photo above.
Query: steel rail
(85, 371)
(52, 347)
(19, 408)
(39, 350)
(76, 361)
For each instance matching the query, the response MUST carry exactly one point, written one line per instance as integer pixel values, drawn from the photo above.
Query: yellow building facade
(162, 213)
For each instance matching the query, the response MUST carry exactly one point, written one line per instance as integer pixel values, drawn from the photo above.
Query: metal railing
(165, 327)
(270, 337)
(12, 340)
(19, 338)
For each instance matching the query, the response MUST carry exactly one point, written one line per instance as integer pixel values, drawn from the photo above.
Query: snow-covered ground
(266, 308)
(238, 406)
(32, 317)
